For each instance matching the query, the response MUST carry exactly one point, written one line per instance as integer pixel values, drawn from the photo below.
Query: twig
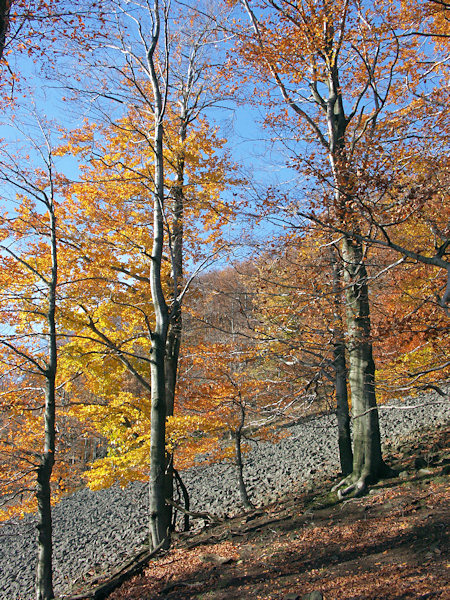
(199, 515)
(395, 407)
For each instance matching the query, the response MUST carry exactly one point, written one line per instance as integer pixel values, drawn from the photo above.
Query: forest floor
(389, 544)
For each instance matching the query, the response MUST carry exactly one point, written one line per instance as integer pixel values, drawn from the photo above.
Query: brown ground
(390, 544)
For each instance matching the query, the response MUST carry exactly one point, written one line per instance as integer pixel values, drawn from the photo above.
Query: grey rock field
(96, 530)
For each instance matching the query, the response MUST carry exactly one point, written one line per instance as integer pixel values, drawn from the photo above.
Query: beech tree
(153, 65)
(113, 324)
(226, 403)
(29, 342)
(184, 182)
(364, 89)
(37, 32)
(338, 68)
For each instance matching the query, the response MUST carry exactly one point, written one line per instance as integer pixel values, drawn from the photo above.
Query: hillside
(390, 544)
(96, 531)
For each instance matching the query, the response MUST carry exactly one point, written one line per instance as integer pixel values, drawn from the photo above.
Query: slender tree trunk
(44, 573)
(175, 317)
(172, 355)
(171, 369)
(186, 499)
(238, 458)
(176, 323)
(340, 370)
(159, 512)
(342, 411)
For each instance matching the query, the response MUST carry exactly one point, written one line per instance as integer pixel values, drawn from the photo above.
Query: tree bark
(159, 512)
(238, 457)
(175, 327)
(340, 371)
(44, 572)
(176, 323)
(368, 465)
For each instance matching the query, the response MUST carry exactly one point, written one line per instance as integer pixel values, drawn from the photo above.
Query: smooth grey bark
(340, 373)
(175, 326)
(368, 465)
(159, 511)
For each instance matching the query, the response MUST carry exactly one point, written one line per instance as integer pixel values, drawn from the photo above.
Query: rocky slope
(95, 530)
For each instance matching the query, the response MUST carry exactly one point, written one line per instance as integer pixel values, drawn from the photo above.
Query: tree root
(356, 489)
(343, 482)
(358, 486)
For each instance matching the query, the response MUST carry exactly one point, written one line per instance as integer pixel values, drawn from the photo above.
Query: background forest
(216, 217)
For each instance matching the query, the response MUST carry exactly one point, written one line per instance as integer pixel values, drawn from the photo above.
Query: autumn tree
(228, 396)
(300, 310)
(340, 68)
(410, 328)
(132, 186)
(226, 406)
(29, 341)
(34, 38)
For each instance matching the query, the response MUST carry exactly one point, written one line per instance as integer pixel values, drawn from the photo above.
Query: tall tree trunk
(171, 369)
(159, 510)
(176, 323)
(340, 146)
(44, 573)
(175, 316)
(368, 465)
(342, 411)
(340, 373)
